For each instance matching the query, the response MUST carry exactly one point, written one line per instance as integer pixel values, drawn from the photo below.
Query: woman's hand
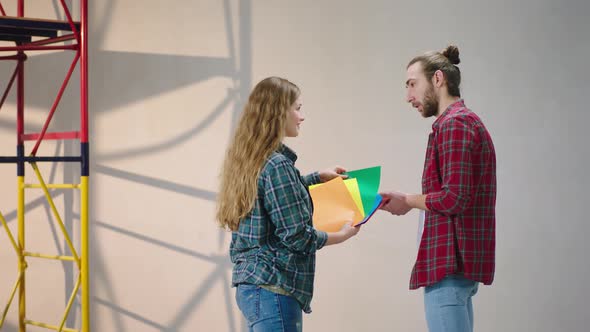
(346, 232)
(349, 231)
(331, 173)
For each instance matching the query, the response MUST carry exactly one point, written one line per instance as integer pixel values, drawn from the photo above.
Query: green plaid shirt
(276, 243)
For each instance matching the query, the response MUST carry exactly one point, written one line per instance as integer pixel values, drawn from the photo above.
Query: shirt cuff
(428, 202)
(321, 239)
(313, 178)
(436, 202)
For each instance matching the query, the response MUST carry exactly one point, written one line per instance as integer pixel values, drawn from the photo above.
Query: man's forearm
(417, 202)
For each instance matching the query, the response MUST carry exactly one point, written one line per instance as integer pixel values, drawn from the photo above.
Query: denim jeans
(448, 304)
(266, 311)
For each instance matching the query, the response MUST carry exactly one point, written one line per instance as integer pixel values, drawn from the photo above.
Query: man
(457, 245)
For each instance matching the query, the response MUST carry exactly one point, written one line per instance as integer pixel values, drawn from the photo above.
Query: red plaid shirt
(459, 180)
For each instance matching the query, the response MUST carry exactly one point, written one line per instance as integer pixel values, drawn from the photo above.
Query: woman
(264, 201)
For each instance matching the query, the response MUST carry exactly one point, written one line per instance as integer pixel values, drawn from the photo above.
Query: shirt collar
(287, 152)
(459, 103)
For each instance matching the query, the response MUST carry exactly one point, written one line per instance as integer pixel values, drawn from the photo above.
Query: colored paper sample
(339, 201)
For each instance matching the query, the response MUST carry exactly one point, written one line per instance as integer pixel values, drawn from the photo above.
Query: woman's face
(294, 118)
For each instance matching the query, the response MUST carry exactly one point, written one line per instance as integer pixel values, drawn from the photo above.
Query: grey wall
(163, 105)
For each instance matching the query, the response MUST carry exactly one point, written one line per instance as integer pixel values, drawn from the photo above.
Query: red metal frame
(52, 40)
(81, 48)
(9, 86)
(29, 47)
(52, 136)
(78, 34)
(83, 41)
(55, 103)
(9, 57)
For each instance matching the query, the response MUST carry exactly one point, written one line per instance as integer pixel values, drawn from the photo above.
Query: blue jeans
(266, 311)
(448, 304)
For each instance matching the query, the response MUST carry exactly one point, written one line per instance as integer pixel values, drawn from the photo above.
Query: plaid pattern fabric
(276, 243)
(459, 180)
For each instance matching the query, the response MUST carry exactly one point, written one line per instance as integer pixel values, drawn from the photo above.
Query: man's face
(420, 91)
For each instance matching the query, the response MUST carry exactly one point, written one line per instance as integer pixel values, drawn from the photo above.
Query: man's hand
(397, 203)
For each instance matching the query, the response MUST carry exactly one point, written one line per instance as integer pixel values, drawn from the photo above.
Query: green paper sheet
(368, 181)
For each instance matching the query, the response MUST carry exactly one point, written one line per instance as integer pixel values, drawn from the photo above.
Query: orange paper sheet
(333, 206)
(353, 188)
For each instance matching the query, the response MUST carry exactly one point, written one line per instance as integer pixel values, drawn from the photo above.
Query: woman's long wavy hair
(260, 131)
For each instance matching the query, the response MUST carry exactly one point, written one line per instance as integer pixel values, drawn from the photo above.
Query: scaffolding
(38, 34)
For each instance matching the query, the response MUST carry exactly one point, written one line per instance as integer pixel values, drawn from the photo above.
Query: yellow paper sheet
(353, 188)
(333, 206)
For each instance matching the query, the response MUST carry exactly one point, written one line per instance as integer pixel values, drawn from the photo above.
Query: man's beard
(430, 104)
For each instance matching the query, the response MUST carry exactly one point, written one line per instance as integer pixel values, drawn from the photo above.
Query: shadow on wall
(8, 327)
(44, 74)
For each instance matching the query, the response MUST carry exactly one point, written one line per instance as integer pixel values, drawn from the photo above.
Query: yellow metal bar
(16, 284)
(38, 255)
(22, 264)
(56, 214)
(47, 326)
(69, 306)
(52, 186)
(85, 304)
(16, 248)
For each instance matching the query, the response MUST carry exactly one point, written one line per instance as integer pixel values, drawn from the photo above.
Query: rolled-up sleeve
(454, 142)
(288, 206)
(311, 179)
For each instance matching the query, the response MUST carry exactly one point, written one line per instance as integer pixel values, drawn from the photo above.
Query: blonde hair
(259, 133)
